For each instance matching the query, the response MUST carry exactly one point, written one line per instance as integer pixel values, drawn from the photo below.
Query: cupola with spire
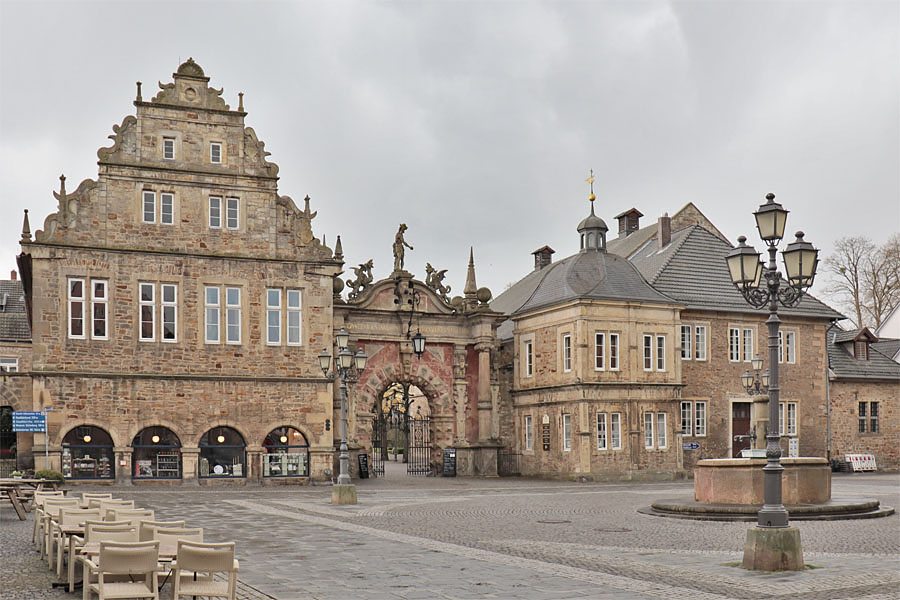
(592, 229)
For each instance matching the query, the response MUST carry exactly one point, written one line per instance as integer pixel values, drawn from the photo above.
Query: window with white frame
(660, 353)
(168, 148)
(213, 314)
(99, 309)
(165, 302)
(700, 342)
(661, 437)
(232, 315)
(529, 358)
(567, 432)
(528, 432)
(700, 419)
(232, 213)
(748, 344)
(169, 307)
(613, 351)
(615, 431)
(787, 346)
(293, 318)
(215, 152)
(599, 347)
(83, 303)
(273, 317)
(148, 206)
(601, 431)
(10, 364)
(648, 430)
(687, 425)
(567, 352)
(734, 344)
(215, 212)
(167, 208)
(686, 338)
(788, 411)
(648, 352)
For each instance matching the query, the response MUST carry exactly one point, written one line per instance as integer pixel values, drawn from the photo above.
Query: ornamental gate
(419, 450)
(379, 449)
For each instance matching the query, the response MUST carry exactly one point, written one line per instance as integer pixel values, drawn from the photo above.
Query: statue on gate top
(399, 251)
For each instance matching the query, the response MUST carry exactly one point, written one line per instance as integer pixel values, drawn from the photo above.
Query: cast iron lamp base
(773, 549)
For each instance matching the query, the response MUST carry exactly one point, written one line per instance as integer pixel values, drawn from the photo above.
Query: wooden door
(740, 426)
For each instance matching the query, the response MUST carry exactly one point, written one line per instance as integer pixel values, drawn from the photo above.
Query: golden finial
(590, 180)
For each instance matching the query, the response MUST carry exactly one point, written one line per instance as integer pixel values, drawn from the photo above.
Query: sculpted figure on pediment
(363, 279)
(434, 279)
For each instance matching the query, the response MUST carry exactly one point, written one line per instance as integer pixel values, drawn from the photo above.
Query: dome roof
(592, 221)
(590, 275)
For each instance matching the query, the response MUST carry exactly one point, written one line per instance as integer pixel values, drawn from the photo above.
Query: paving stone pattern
(437, 538)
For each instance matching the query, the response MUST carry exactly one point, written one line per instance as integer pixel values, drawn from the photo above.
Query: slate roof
(890, 348)
(692, 270)
(13, 318)
(846, 366)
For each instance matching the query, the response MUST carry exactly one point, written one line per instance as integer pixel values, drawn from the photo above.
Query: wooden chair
(146, 529)
(136, 560)
(204, 560)
(107, 505)
(49, 513)
(86, 497)
(135, 515)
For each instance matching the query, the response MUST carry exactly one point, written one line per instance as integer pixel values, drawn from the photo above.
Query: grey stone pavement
(413, 538)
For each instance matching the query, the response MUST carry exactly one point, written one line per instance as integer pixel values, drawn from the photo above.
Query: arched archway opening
(223, 453)
(287, 453)
(87, 453)
(400, 430)
(157, 454)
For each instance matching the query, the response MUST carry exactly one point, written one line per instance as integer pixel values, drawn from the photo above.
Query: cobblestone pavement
(448, 538)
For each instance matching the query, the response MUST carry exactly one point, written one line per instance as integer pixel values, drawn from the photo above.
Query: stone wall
(845, 435)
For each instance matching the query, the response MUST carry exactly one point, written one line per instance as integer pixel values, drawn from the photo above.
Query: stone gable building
(15, 386)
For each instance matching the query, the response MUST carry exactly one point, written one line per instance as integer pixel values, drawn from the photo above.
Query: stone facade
(846, 437)
(160, 291)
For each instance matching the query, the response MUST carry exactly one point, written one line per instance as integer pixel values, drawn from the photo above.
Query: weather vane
(590, 180)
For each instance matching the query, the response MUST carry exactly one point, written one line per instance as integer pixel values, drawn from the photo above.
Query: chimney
(543, 257)
(629, 222)
(13, 275)
(664, 230)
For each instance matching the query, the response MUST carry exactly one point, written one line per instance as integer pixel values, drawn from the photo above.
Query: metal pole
(773, 515)
(344, 476)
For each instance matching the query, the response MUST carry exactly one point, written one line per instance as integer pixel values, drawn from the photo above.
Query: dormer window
(169, 148)
(861, 350)
(215, 152)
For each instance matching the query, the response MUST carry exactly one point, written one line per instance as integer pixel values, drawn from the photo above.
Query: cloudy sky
(476, 123)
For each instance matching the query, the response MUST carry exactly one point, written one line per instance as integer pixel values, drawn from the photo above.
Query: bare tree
(865, 278)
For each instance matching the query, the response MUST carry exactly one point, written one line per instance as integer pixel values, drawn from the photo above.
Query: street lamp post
(763, 285)
(348, 367)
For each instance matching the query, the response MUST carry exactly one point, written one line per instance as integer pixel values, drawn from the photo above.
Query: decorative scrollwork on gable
(166, 95)
(124, 137)
(214, 99)
(255, 153)
(67, 209)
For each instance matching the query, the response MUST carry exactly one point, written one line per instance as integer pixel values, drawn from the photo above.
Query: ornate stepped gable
(189, 91)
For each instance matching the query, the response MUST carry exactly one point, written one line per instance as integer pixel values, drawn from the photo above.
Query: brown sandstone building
(178, 305)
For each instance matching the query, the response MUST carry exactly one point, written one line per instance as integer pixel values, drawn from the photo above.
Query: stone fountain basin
(805, 480)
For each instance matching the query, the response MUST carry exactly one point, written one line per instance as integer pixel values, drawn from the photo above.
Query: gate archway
(401, 430)
(456, 372)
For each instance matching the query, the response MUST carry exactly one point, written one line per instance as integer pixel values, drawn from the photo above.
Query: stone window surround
(528, 433)
(88, 300)
(528, 353)
(565, 351)
(566, 437)
(177, 148)
(793, 426)
(221, 152)
(791, 350)
(868, 414)
(738, 353)
(602, 432)
(653, 423)
(221, 307)
(605, 355)
(615, 430)
(220, 211)
(654, 352)
(159, 311)
(696, 414)
(159, 200)
(286, 308)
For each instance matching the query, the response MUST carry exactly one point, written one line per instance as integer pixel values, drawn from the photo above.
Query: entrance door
(740, 427)
(419, 450)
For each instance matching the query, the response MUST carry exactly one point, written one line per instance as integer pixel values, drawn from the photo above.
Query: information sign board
(28, 421)
(690, 446)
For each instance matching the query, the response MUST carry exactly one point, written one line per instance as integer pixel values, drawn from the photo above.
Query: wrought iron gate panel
(419, 450)
(379, 438)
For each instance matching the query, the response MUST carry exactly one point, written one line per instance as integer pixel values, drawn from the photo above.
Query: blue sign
(690, 446)
(29, 421)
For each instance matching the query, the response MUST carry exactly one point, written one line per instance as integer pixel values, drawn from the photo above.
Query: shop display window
(287, 454)
(156, 454)
(87, 453)
(222, 453)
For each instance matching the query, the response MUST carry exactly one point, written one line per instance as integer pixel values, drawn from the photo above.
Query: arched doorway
(400, 429)
(287, 453)
(87, 453)
(157, 454)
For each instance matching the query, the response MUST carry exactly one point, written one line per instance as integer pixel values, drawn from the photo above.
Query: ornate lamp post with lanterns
(348, 367)
(773, 544)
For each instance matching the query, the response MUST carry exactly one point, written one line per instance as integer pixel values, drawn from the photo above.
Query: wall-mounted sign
(28, 421)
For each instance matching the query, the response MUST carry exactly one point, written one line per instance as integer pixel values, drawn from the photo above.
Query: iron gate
(419, 450)
(379, 449)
